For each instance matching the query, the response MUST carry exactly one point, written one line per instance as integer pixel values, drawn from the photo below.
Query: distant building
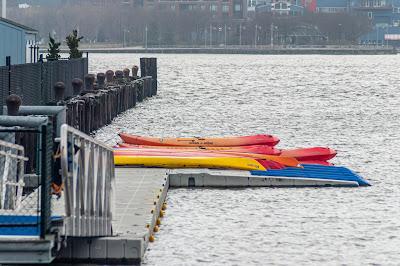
(15, 41)
(278, 7)
(332, 6)
(235, 9)
(385, 18)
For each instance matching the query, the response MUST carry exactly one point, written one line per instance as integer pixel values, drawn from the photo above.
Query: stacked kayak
(202, 142)
(255, 153)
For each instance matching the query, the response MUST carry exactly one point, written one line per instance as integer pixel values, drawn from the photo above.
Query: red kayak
(302, 154)
(201, 142)
(257, 149)
(310, 154)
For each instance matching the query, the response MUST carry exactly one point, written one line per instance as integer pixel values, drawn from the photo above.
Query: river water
(349, 103)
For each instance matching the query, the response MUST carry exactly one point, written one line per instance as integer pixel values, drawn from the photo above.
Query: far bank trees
(134, 26)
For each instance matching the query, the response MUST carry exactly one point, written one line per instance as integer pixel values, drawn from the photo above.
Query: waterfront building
(332, 6)
(277, 7)
(16, 41)
(235, 9)
(385, 20)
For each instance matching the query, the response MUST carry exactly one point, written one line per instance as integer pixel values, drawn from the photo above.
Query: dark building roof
(15, 24)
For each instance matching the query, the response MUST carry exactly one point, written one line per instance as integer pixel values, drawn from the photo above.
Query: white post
(4, 9)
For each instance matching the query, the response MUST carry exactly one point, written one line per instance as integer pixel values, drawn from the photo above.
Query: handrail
(12, 176)
(89, 177)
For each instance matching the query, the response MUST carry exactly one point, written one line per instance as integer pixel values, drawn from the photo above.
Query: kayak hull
(282, 161)
(259, 149)
(310, 154)
(189, 162)
(201, 142)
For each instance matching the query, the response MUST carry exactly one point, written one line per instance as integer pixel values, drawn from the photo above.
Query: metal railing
(34, 82)
(26, 210)
(12, 162)
(88, 176)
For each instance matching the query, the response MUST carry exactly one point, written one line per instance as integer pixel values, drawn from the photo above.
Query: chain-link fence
(34, 82)
(25, 188)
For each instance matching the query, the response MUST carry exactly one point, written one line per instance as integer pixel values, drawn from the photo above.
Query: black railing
(34, 82)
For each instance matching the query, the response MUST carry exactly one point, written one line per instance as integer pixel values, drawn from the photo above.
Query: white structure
(4, 8)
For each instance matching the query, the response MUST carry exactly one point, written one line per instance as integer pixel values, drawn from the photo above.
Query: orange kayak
(201, 142)
(302, 154)
(258, 149)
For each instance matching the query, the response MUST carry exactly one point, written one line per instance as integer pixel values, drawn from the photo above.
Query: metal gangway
(56, 184)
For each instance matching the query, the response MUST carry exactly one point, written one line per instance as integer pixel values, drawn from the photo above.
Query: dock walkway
(139, 196)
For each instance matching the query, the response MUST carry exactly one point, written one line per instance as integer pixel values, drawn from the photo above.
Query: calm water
(350, 103)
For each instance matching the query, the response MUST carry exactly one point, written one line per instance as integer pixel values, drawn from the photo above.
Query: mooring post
(135, 70)
(13, 103)
(59, 91)
(77, 86)
(126, 73)
(153, 72)
(101, 77)
(89, 82)
(109, 76)
(119, 76)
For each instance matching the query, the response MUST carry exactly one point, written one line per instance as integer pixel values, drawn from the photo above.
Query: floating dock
(103, 214)
(140, 195)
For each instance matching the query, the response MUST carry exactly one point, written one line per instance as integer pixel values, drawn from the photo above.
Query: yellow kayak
(190, 162)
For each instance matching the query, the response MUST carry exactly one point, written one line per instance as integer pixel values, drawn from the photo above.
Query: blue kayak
(316, 172)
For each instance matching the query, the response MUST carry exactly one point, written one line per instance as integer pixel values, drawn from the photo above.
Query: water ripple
(350, 103)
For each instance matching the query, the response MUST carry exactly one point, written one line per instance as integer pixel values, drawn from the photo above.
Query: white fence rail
(89, 179)
(12, 161)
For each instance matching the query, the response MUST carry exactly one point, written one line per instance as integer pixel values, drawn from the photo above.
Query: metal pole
(34, 53)
(38, 51)
(8, 64)
(44, 184)
(205, 37)
(123, 44)
(255, 36)
(240, 34)
(225, 35)
(4, 9)
(210, 35)
(387, 40)
(377, 35)
(272, 35)
(145, 42)
(31, 49)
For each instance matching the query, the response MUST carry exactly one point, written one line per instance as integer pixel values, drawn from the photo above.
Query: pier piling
(13, 103)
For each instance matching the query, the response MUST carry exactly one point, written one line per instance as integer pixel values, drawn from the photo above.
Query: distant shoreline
(247, 50)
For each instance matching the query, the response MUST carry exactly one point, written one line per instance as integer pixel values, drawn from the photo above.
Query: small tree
(54, 49)
(73, 44)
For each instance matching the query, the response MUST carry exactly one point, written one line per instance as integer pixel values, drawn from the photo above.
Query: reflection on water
(350, 103)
